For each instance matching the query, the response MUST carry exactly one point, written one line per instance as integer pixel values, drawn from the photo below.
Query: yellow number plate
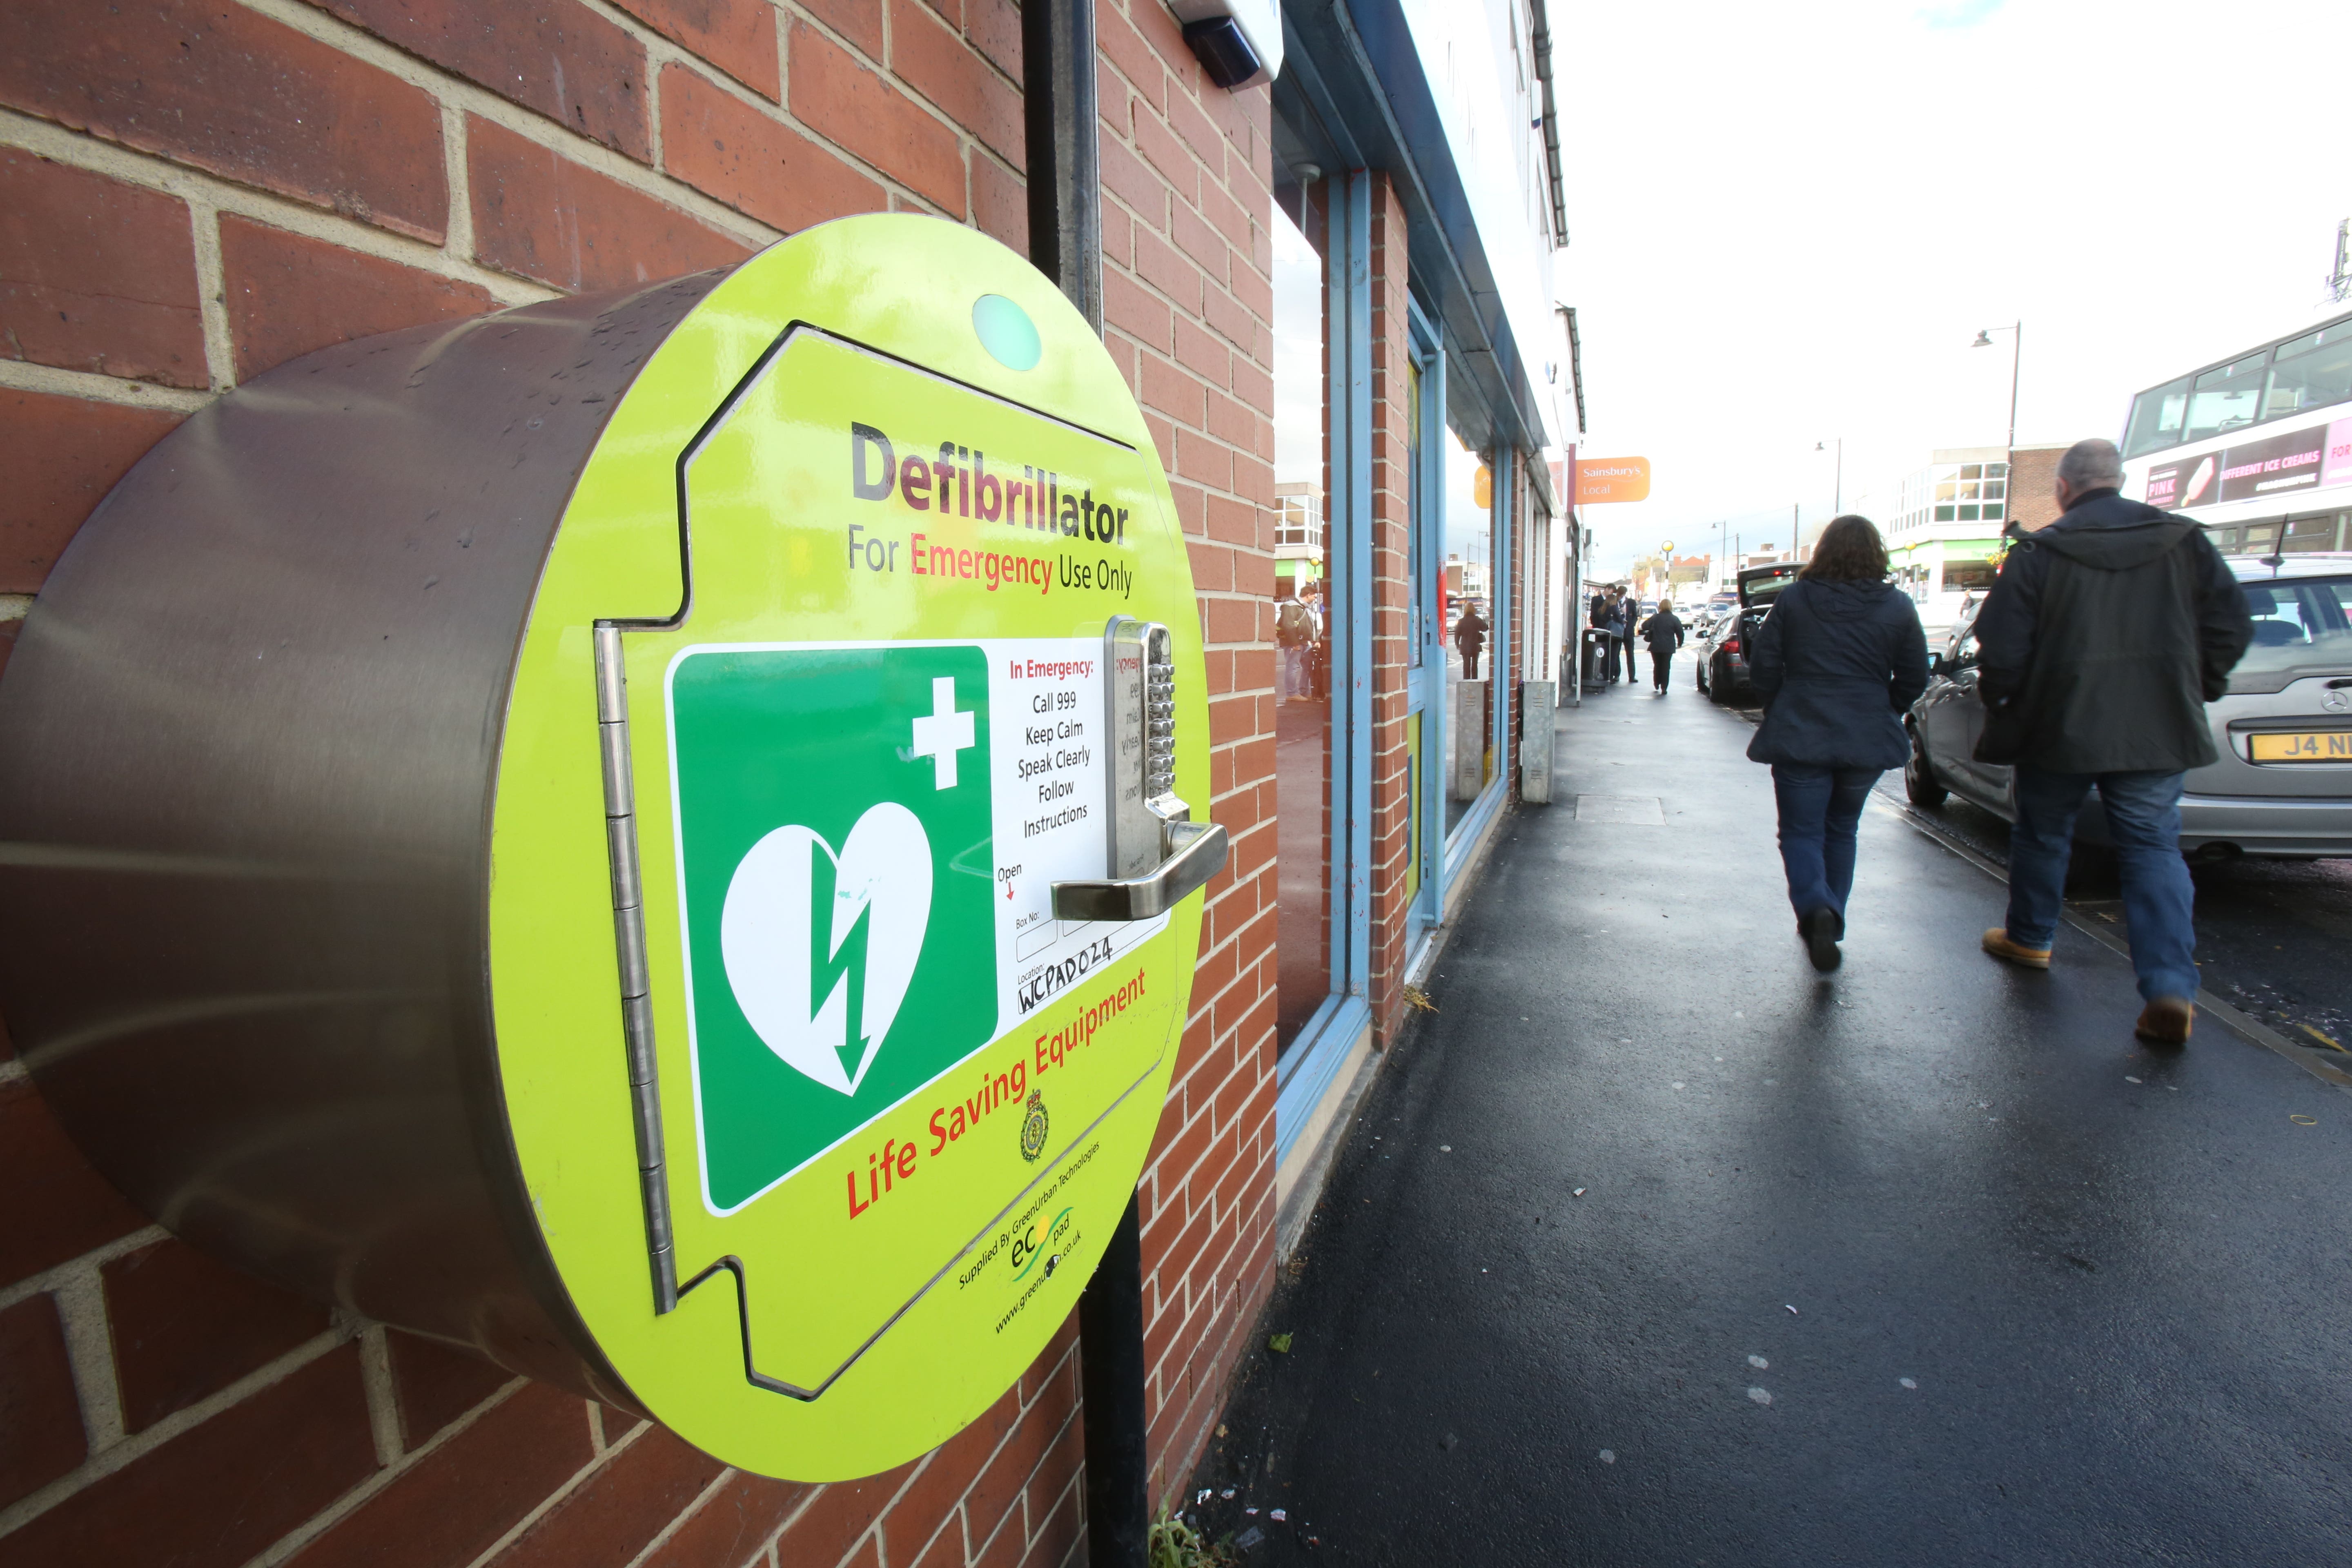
(2302, 746)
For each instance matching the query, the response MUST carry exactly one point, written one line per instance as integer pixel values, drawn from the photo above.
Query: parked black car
(1723, 653)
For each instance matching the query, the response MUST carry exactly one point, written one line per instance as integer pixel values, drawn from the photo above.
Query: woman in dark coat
(1663, 632)
(1837, 661)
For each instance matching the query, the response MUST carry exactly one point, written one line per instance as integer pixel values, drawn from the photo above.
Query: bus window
(2312, 371)
(2310, 533)
(2226, 398)
(2156, 418)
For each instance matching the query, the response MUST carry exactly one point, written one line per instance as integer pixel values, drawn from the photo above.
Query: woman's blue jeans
(1820, 810)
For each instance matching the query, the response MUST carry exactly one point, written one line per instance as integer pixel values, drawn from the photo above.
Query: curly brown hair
(1849, 551)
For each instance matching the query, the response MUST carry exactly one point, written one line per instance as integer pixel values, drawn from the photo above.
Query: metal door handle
(1195, 852)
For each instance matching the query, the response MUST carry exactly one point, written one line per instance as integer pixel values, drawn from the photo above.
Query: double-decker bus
(2257, 448)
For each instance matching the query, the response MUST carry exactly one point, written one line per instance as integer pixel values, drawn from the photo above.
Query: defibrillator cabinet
(656, 836)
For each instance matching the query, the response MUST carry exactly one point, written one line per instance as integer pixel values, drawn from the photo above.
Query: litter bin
(1597, 644)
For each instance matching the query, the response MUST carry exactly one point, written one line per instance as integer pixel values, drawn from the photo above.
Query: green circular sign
(841, 736)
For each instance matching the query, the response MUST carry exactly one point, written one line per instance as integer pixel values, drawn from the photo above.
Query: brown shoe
(1996, 942)
(2166, 1020)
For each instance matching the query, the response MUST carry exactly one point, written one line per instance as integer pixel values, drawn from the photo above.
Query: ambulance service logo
(1033, 1127)
(835, 855)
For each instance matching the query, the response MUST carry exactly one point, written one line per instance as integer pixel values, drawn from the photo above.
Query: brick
(96, 274)
(995, 28)
(837, 1518)
(453, 1503)
(434, 1385)
(1166, 36)
(1000, 204)
(859, 21)
(225, 89)
(57, 1206)
(1135, 311)
(998, 1488)
(1134, 58)
(1165, 152)
(185, 1326)
(729, 151)
(933, 59)
(555, 58)
(1158, 264)
(8, 630)
(1199, 132)
(1005, 1548)
(607, 1519)
(1203, 244)
(738, 36)
(733, 1523)
(1134, 181)
(1204, 461)
(288, 294)
(41, 1435)
(1168, 389)
(1053, 1502)
(843, 100)
(220, 1492)
(539, 215)
(946, 1550)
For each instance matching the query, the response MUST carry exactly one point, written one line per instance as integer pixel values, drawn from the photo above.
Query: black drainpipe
(1058, 106)
(1059, 112)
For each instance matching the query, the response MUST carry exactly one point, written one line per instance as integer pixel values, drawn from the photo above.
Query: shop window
(1465, 618)
(1302, 673)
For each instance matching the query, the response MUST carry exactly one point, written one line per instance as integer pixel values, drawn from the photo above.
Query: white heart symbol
(768, 926)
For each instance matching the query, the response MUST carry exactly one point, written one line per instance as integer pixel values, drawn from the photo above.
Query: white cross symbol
(942, 733)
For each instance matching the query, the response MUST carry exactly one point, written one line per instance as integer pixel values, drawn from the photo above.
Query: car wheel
(1918, 779)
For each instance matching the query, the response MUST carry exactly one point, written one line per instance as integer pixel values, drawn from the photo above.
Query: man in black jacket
(2105, 635)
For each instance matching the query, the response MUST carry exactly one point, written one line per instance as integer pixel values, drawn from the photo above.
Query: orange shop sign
(1611, 479)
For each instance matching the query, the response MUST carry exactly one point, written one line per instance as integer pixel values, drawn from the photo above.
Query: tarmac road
(1651, 1246)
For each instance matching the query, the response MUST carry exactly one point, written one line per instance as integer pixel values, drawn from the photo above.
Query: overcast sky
(1788, 223)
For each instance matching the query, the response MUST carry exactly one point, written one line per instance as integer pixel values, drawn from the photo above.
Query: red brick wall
(2033, 486)
(1392, 520)
(191, 193)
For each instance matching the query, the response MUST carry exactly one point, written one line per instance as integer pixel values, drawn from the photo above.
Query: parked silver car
(2282, 786)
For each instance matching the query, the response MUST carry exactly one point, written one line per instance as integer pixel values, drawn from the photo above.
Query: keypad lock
(1156, 852)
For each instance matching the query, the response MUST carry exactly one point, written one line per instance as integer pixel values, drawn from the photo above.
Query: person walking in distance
(2102, 640)
(1294, 634)
(1622, 611)
(1470, 639)
(1839, 657)
(1663, 632)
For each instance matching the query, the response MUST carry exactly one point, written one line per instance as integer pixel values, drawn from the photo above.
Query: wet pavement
(1651, 1246)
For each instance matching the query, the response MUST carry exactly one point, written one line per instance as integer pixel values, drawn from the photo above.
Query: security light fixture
(1237, 42)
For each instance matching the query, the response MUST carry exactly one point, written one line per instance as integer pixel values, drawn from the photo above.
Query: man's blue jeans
(2143, 811)
(1820, 810)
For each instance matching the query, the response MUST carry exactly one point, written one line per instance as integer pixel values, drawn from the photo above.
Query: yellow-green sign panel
(903, 1102)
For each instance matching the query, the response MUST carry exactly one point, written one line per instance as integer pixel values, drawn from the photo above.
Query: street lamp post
(1837, 496)
(2016, 354)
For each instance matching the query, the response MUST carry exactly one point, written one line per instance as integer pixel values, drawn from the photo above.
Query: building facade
(192, 195)
(1945, 536)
